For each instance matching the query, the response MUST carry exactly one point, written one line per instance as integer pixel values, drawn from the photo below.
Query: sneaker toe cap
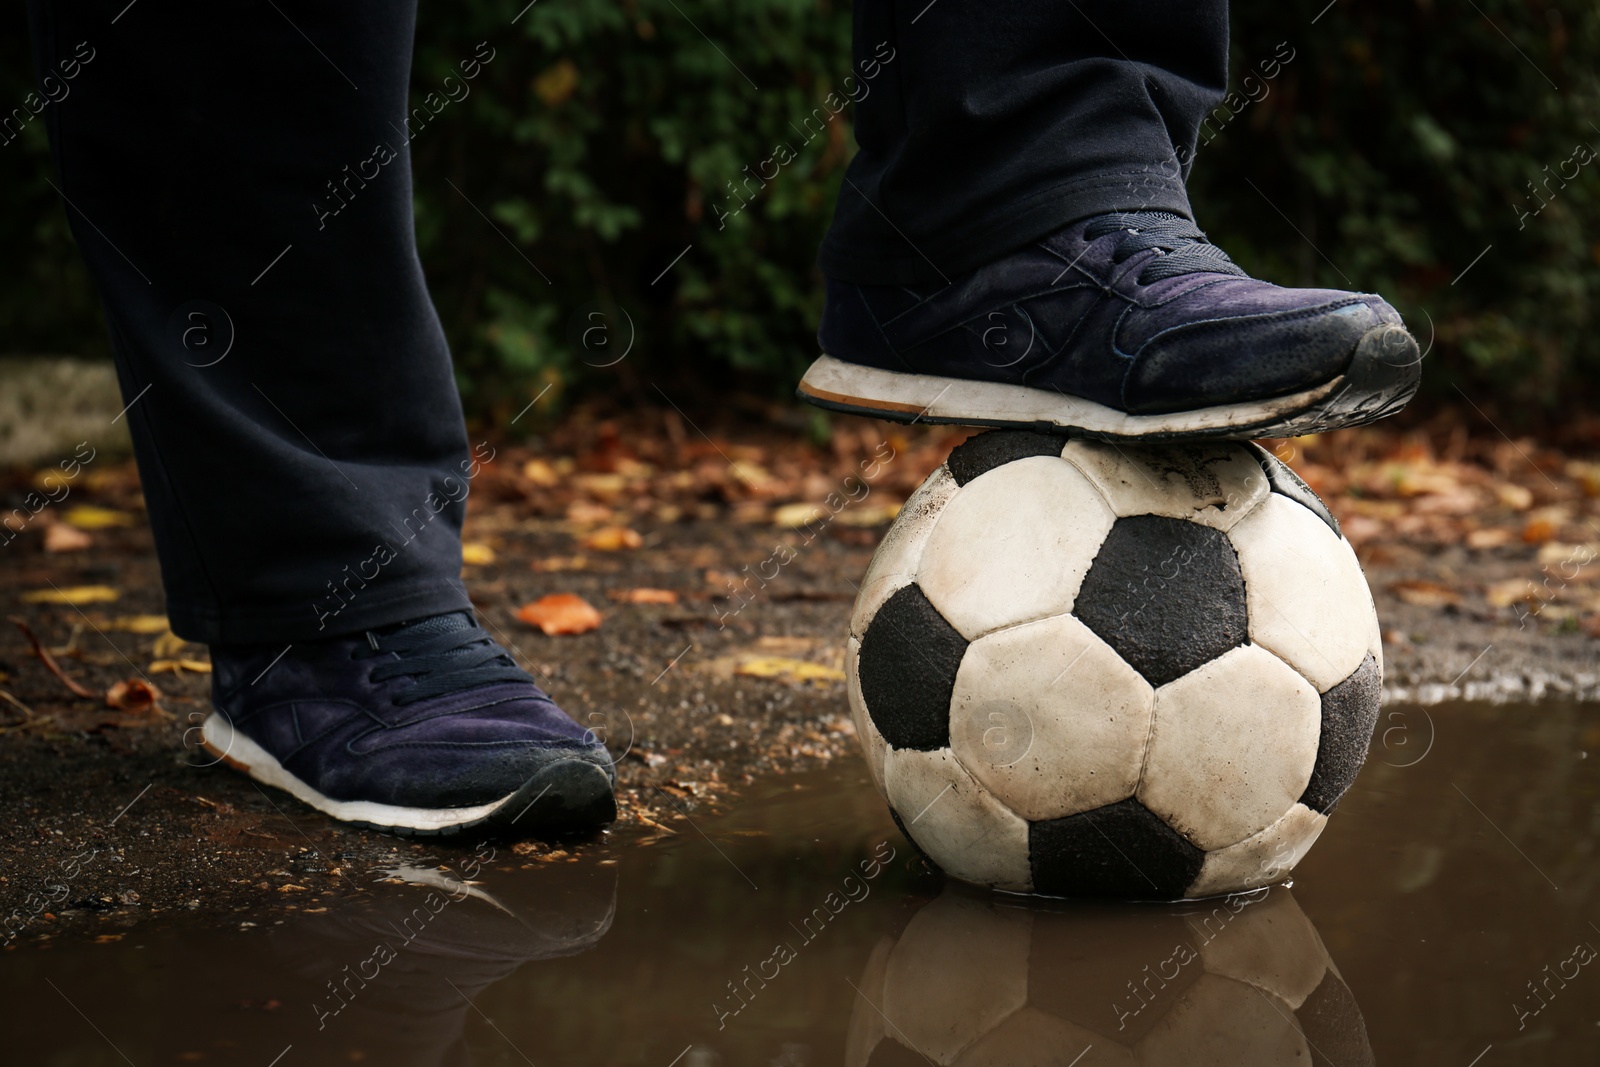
(1226, 360)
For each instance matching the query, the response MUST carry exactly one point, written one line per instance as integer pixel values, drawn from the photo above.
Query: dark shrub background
(1395, 144)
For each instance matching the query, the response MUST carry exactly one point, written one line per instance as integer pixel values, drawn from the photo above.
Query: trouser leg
(990, 123)
(237, 178)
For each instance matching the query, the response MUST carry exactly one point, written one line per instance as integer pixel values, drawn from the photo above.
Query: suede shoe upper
(1136, 311)
(430, 715)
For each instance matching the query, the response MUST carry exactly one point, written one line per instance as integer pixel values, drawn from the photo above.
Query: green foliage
(1394, 147)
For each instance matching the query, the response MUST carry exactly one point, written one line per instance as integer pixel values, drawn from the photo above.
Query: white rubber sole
(582, 793)
(1373, 388)
(242, 754)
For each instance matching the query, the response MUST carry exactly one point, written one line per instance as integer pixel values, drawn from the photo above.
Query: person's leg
(291, 396)
(239, 181)
(991, 124)
(1013, 245)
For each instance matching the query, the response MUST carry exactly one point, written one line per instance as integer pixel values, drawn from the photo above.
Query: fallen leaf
(612, 539)
(1575, 557)
(1538, 531)
(561, 563)
(1506, 593)
(168, 646)
(59, 537)
(90, 517)
(476, 554)
(540, 473)
(1490, 537)
(49, 662)
(1423, 593)
(178, 666)
(74, 595)
(793, 670)
(794, 516)
(1516, 497)
(135, 696)
(868, 515)
(643, 596)
(140, 624)
(561, 613)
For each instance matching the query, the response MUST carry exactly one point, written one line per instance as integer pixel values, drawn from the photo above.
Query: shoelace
(1183, 245)
(444, 654)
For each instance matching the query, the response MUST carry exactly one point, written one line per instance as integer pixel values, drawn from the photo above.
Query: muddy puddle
(1449, 915)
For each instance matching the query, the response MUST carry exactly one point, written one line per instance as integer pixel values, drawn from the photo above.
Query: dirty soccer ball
(1085, 669)
(978, 984)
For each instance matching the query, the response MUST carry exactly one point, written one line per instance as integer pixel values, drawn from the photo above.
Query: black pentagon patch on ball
(909, 659)
(1332, 1024)
(1122, 850)
(986, 451)
(1349, 715)
(1285, 482)
(1167, 594)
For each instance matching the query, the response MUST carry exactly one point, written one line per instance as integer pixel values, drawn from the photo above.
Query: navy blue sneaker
(426, 728)
(1126, 326)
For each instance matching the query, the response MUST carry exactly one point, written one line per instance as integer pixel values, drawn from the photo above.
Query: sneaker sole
(1382, 377)
(566, 796)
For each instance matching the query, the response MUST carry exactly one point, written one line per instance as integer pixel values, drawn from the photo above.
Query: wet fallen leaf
(476, 554)
(59, 537)
(90, 517)
(135, 696)
(73, 595)
(612, 539)
(560, 613)
(643, 596)
(178, 666)
(791, 670)
(140, 624)
(1423, 593)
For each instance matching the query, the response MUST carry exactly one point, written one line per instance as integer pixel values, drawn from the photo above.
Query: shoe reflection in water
(1236, 982)
(389, 983)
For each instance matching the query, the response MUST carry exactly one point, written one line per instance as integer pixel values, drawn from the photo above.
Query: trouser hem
(303, 622)
(942, 257)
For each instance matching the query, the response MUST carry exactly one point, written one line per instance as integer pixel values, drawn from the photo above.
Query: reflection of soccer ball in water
(977, 984)
(1084, 669)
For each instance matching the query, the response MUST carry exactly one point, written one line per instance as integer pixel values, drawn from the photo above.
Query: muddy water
(1450, 915)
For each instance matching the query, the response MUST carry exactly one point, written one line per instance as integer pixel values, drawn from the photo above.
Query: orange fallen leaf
(1538, 531)
(135, 696)
(561, 613)
(59, 537)
(612, 539)
(1423, 593)
(643, 596)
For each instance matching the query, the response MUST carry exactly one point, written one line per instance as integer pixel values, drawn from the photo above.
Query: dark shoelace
(1182, 245)
(444, 654)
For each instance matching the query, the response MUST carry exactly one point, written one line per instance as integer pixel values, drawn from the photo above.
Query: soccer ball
(977, 984)
(1090, 669)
